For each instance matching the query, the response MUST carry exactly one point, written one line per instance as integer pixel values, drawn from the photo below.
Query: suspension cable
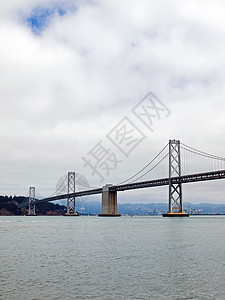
(144, 167)
(39, 195)
(151, 168)
(196, 151)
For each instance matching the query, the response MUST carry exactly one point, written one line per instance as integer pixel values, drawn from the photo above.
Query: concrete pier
(71, 215)
(109, 203)
(176, 214)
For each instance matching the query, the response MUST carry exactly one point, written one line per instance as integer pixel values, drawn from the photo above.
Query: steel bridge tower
(71, 200)
(31, 201)
(175, 189)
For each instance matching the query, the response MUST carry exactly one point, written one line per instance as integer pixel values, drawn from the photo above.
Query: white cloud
(64, 89)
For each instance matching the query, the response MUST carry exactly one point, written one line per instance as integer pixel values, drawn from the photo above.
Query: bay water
(56, 257)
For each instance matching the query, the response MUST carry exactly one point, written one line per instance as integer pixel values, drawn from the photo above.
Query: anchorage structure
(31, 201)
(175, 189)
(71, 200)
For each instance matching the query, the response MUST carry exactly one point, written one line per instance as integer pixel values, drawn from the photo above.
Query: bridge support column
(71, 200)
(109, 202)
(175, 190)
(31, 201)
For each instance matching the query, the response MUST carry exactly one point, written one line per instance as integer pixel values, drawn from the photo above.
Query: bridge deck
(140, 185)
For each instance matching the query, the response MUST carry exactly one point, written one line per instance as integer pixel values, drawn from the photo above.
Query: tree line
(9, 206)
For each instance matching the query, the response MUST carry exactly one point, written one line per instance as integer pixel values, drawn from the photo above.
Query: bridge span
(109, 192)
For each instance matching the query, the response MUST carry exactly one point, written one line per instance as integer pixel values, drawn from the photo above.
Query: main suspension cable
(151, 168)
(144, 167)
(196, 151)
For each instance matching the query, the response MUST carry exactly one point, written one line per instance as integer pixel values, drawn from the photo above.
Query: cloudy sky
(73, 72)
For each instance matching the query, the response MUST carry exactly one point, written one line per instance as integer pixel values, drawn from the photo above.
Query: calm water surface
(112, 258)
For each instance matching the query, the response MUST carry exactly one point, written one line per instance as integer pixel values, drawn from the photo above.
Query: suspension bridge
(173, 166)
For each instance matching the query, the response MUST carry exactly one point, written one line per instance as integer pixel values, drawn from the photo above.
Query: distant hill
(152, 208)
(9, 206)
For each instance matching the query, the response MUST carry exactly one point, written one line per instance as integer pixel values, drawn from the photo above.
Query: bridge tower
(31, 201)
(109, 202)
(71, 200)
(175, 189)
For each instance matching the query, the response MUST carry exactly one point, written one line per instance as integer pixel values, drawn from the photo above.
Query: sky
(74, 74)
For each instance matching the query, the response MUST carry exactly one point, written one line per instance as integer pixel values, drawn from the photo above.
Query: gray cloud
(64, 89)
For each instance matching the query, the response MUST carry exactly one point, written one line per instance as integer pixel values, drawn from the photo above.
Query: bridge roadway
(140, 185)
